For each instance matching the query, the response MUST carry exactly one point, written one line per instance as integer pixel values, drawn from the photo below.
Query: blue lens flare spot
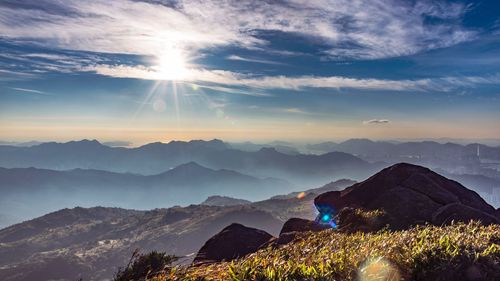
(333, 224)
(326, 217)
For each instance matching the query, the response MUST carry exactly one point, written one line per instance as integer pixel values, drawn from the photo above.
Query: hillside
(404, 223)
(457, 252)
(93, 242)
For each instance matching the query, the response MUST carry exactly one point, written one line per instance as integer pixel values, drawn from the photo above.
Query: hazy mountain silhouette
(29, 192)
(282, 147)
(217, 200)
(154, 158)
(454, 159)
(417, 151)
(334, 185)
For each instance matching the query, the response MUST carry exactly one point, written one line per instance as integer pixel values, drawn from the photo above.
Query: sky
(153, 70)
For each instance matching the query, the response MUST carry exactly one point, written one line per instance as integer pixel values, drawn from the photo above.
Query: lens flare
(378, 268)
(159, 105)
(301, 195)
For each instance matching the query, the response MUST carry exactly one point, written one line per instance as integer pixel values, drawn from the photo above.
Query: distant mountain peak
(217, 200)
(191, 165)
(85, 141)
(85, 144)
(214, 143)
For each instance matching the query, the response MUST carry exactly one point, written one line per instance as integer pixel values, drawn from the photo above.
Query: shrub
(145, 266)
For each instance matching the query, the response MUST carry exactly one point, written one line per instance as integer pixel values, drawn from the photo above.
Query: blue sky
(156, 70)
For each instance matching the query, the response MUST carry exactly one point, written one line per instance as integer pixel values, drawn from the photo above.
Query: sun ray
(176, 102)
(147, 99)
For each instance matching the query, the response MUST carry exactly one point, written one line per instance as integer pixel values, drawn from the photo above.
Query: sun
(171, 65)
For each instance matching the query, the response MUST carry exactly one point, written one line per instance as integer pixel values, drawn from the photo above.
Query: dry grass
(422, 253)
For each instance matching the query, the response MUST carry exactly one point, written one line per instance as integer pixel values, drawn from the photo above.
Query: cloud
(32, 91)
(234, 79)
(238, 58)
(367, 29)
(118, 143)
(9, 75)
(294, 110)
(261, 83)
(376, 121)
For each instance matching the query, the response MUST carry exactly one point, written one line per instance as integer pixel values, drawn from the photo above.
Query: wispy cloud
(9, 75)
(294, 110)
(368, 29)
(267, 82)
(355, 29)
(233, 79)
(376, 121)
(238, 58)
(118, 143)
(31, 91)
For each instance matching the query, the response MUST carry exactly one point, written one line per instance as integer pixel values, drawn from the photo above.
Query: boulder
(232, 242)
(460, 212)
(301, 225)
(408, 195)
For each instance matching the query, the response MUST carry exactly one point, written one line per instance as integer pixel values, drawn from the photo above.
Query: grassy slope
(421, 253)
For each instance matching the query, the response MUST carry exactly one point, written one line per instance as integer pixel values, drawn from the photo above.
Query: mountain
(454, 158)
(334, 185)
(151, 158)
(409, 195)
(446, 245)
(29, 192)
(217, 200)
(154, 158)
(92, 243)
(283, 147)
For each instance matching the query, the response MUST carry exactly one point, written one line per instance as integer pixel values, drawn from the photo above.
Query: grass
(421, 253)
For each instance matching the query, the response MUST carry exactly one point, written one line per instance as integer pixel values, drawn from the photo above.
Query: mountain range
(29, 192)
(92, 242)
(455, 158)
(51, 176)
(154, 158)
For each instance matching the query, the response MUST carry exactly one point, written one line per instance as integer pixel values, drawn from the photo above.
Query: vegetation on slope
(457, 252)
(141, 266)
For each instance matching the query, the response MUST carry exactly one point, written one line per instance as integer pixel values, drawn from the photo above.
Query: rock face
(301, 225)
(410, 195)
(234, 241)
(460, 212)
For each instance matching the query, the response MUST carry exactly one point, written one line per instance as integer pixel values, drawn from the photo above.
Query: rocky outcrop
(409, 195)
(460, 212)
(301, 225)
(232, 242)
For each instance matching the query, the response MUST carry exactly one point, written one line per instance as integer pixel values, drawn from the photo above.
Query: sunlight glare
(171, 65)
